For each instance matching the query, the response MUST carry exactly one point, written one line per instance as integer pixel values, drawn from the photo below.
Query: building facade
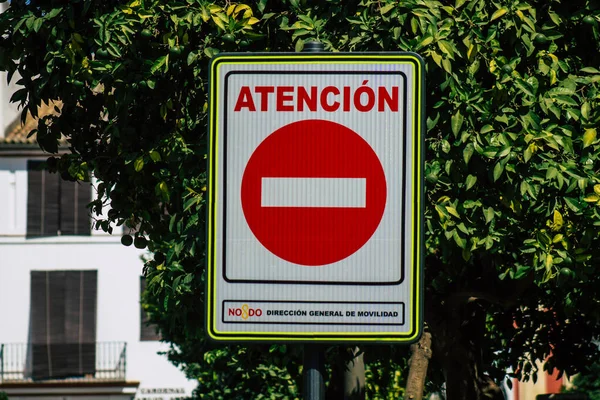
(71, 324)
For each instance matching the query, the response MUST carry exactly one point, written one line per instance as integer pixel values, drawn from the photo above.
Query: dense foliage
(513, 190)
(587, 382)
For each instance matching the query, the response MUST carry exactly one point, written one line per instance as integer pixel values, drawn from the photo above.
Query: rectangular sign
(315, 200)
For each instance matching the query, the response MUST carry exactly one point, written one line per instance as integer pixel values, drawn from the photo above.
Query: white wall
(8, 111)
(13, 198)
(119, 270)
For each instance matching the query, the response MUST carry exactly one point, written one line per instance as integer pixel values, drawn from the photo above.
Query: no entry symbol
(313, 192)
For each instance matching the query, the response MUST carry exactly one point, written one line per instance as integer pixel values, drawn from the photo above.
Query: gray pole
(314, 357)
(314, 372)
(313, 47)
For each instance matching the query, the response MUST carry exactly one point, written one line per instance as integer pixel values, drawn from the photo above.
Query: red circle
(313, 236)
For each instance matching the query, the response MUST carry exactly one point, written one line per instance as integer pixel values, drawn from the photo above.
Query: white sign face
(315, 197)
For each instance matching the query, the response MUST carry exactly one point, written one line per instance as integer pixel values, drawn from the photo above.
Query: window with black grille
(63, 324)
(148, 331)
(56, 207)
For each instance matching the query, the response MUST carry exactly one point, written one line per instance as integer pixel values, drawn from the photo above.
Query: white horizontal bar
(314, 192)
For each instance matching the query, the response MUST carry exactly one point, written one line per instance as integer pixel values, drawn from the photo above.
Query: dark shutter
(82, 218)
(56, 323)
(52, 204)
(148, 331)
(74, 215)
(56, 207)
(43, 197)
(68, 208)
(40, 350)
(87, 337)
(63, 325)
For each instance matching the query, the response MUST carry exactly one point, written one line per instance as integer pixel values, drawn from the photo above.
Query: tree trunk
(348, 380)
(461, 374)
(463, 382)
(457, 341)
(417, 369)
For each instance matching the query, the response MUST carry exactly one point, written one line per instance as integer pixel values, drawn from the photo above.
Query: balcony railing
(17, 364)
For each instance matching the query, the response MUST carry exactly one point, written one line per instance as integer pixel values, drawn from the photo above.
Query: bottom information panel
(313, 312)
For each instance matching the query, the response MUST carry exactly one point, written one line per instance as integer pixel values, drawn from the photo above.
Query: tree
(513, 191)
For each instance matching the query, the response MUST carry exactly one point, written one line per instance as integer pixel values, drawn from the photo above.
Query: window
(56, 207)
(148, 331)
(63, 323)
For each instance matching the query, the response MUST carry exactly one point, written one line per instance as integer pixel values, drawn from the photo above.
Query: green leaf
(426, 41)
(299, 45)
(160, 61)
(466, 254)
(447, 64)
(452, 211)
(566, 100)
(210, 52)
(53, 13)
(573, 204)
(468, 152)
(585, 110)
(504, 152)
(38, 24)
(524, 87)
(162, 189)
(549, 261)
(489, 214)
(555, 18)
(113, 50)
(557, 220)
(192, 57)
(446, 146)
(589, 137)
(456, 122)
(437, 58)
(498, 169)
(462, 243)
(385, 9)
(446, 48)
(529, 152)
(590, 70)
(459, 3)
(522, 270)
(218, 21)
(190, 202)
(261, 5)
(557, 238)
(486, 129)
(591, 198)
(471, 180)
(443, 214)
(138, 164)
(155, 155)
(499, 13)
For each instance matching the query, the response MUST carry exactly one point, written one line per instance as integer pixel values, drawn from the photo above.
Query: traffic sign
(315, 197)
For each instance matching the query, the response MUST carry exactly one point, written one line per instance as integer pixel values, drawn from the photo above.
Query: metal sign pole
(314, 372)
(314, 359)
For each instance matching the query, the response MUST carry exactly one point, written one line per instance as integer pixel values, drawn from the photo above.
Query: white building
(70, 317)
